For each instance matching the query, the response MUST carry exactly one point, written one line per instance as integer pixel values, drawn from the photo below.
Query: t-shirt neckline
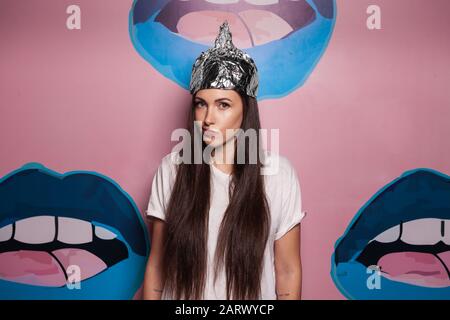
(220, 172)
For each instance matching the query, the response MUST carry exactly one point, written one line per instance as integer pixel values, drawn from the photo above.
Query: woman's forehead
(214, 94)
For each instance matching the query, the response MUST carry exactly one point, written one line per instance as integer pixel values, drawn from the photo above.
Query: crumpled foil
(225, 67)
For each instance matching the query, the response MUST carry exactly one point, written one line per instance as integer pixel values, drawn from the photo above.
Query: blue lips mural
(401, 234)
(76, 235)
(285, 39)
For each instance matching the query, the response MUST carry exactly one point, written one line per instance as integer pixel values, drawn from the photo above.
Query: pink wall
(376, 105)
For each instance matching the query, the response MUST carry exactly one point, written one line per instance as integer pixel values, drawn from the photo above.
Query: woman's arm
(288, 268)
(153, 282)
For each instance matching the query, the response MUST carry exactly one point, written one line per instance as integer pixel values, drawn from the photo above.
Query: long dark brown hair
(243, 232)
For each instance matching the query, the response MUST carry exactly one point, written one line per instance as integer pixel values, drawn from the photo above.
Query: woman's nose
(209, 115)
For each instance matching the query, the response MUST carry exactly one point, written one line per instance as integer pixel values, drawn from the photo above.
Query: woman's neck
(223, 156)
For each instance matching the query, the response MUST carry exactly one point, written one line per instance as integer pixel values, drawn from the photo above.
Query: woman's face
(218, 110)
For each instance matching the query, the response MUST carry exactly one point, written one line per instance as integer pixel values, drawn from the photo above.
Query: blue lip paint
(416, 194)
(35, 190)
(283, 64)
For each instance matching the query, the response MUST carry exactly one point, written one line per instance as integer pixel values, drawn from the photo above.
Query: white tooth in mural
(422, 231)
(262, 2)
(390, 235)
(446, 237)
(104, 234)
(73, 231)
(35, 230)
(6, 232)
(222, 1)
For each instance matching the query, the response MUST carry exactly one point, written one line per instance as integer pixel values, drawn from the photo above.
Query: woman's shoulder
(171, 158)
(169, 162)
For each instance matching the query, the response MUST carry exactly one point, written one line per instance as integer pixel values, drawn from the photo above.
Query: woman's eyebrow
(217, 100)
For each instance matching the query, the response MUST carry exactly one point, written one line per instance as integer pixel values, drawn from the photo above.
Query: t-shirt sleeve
(160, 191)
(291, 212)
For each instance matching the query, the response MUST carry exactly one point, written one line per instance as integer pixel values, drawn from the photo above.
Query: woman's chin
(212, 141)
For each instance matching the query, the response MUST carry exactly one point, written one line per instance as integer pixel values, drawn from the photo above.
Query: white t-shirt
(283, 196)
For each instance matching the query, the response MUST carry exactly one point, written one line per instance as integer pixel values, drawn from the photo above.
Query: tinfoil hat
(224, 67)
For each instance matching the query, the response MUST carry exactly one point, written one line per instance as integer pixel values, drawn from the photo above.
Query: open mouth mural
(286, 38)
(57, 230)
(403, 231)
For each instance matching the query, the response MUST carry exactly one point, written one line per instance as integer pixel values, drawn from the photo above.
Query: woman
(223, 228)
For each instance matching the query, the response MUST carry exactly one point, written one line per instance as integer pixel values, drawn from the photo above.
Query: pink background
(376, 105)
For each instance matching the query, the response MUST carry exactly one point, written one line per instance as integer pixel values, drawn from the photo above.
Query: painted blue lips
(283, 64)
(34, 190)
(417, 194)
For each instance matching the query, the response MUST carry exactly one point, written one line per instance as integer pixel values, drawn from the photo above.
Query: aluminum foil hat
(225, 67)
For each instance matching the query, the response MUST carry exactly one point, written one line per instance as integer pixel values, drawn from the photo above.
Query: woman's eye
(199, 104)
(224, 105)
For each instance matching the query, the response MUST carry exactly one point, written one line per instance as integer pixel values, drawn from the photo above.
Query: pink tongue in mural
(41, 269)
(419, 268)
(246, 27)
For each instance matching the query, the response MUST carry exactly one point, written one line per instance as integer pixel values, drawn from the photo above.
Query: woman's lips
(212, 134)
